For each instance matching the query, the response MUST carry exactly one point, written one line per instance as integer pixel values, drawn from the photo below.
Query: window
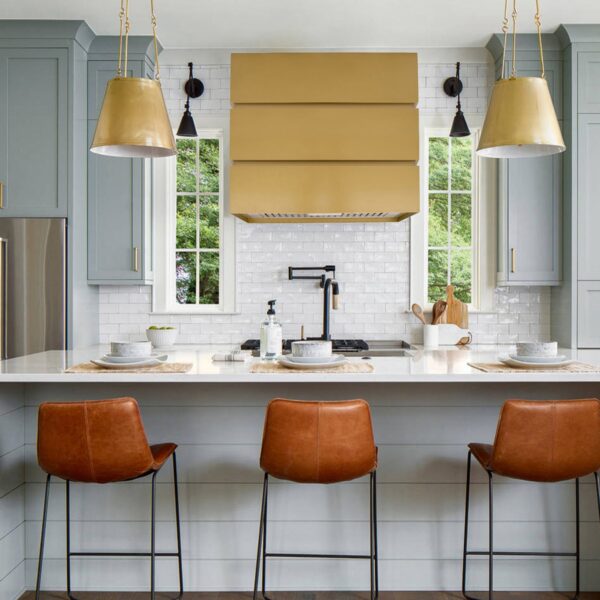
(450, 254)
(453, 237)
(198, 209)
(193, 233)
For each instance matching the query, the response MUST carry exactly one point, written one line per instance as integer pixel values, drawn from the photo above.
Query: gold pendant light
(133, 121)
(521, 121)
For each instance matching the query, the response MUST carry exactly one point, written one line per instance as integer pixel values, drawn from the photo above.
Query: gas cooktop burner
(338, 345)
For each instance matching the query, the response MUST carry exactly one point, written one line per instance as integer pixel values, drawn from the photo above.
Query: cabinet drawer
(588, 323)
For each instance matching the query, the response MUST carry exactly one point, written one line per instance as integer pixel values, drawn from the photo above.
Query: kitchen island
(426, 408)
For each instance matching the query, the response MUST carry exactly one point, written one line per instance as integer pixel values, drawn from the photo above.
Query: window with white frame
(453, 237)
(194, 234)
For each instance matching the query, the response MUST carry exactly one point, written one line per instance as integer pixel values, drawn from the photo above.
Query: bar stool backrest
(547, 440)
(318, 442)
(96, 441)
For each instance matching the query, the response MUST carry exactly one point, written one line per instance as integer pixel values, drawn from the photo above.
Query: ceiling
(284, 24)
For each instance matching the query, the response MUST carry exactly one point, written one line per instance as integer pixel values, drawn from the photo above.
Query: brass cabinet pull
(136, 259)
(1, 194)
(513, 260)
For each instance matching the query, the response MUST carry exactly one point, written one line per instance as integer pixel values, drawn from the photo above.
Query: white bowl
(162, 338)
(537, 349)
(131, 348)
(312, 348)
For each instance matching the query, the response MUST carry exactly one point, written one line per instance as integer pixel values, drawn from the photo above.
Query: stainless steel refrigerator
(32, 286)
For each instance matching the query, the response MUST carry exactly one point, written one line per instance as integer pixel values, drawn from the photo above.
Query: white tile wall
(372, 259)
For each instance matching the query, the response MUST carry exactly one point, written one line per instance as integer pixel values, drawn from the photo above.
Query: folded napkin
(233, 356)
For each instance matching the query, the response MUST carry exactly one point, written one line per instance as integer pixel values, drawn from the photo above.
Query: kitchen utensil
(511, 362)
(466, 340)
(131, 349)
(418, 312)
(431, 336)
(439, 312)
(312, 348)
(149, 362)
(456, 311)
(538, 359)
(451, 334)
(339, 360)
(537, 349)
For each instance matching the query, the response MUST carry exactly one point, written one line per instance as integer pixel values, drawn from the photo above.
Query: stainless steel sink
(384, 348)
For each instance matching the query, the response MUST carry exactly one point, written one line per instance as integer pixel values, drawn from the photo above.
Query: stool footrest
(495, 553)
(282, 555)
(122, 554)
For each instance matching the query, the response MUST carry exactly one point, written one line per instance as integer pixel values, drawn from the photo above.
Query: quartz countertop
(448, 364)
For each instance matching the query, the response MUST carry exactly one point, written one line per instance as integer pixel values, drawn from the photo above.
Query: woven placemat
(166, 367)
(497, 367)
(275, 367)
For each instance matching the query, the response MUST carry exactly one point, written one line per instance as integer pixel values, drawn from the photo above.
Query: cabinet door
(115, 188)
(533, 203)
(34, 132)
(588, 208)
(588, 323)
(588, 81)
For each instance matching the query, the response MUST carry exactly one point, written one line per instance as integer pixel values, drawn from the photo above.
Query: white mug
(431, 336)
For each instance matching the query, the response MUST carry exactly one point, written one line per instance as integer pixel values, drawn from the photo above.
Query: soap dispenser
(271, 338)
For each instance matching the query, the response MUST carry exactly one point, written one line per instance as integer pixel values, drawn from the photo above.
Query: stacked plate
(536, 355)
(311, 362)
(116, 361)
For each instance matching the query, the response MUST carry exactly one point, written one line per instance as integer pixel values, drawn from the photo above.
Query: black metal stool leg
(372, 538)
(178, 524)
(68, 533)
(264, 545)
(153, 540)
(42, 539)
(491, 534)
(597, 491)
(375, 534)
(466, 538)
(577, 542)
(260, 537)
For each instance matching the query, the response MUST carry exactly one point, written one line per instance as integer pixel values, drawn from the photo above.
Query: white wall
(372, 259)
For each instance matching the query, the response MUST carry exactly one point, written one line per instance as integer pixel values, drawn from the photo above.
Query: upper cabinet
(530, 189)
(119, 189)
(34, 124)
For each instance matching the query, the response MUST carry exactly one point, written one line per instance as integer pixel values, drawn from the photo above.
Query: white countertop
(449, 364)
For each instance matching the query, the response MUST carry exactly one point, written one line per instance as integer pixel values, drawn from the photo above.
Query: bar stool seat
(538, 441)
(101, 441)
(318, 443)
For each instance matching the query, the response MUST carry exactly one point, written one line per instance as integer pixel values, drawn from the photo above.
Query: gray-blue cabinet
(119, 189)
(530, 190)
(34, 125)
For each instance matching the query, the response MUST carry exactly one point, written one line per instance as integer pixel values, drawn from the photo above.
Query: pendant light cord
(513, 73)
(538, 24)
(458, 79)
(153, 19)
(121, 17)
(127, 25)
(505, 32)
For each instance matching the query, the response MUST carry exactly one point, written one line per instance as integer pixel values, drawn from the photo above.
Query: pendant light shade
(520, 121)
(459, 125)
(187, 127)
(133, 120)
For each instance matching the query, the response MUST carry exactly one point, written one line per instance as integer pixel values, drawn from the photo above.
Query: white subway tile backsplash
(372, 259)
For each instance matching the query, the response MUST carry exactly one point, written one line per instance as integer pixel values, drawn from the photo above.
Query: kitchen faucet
(330, 288)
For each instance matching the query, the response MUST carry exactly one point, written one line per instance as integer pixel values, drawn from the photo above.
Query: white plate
(539, 359)
(311, 359)
(285, 362)
(511, 362)
(149, 362)
(131, 360)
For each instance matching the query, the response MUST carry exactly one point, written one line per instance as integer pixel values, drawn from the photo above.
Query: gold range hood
(319, 137)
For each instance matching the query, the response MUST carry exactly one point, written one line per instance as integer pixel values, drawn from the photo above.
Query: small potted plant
(161, 337)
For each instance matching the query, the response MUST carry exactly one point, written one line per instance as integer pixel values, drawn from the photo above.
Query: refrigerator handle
(3, 296)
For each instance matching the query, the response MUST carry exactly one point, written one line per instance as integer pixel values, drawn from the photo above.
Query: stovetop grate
(338, 345)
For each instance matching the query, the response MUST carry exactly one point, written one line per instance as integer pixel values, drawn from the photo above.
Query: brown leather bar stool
(542, 441)
(101, 441)
(318, 442)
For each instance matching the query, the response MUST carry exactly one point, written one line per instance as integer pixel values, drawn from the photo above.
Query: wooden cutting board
(456, 311)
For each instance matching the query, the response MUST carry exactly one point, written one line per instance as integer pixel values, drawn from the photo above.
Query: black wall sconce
(453, 86)
(193, 88)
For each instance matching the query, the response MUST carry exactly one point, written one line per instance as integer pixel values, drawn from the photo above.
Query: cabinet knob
(513, 260)
(136, 259)
(1, 194)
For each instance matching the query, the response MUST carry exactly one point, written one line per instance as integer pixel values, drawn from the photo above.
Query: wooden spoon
(439, 312)
(418, 312)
